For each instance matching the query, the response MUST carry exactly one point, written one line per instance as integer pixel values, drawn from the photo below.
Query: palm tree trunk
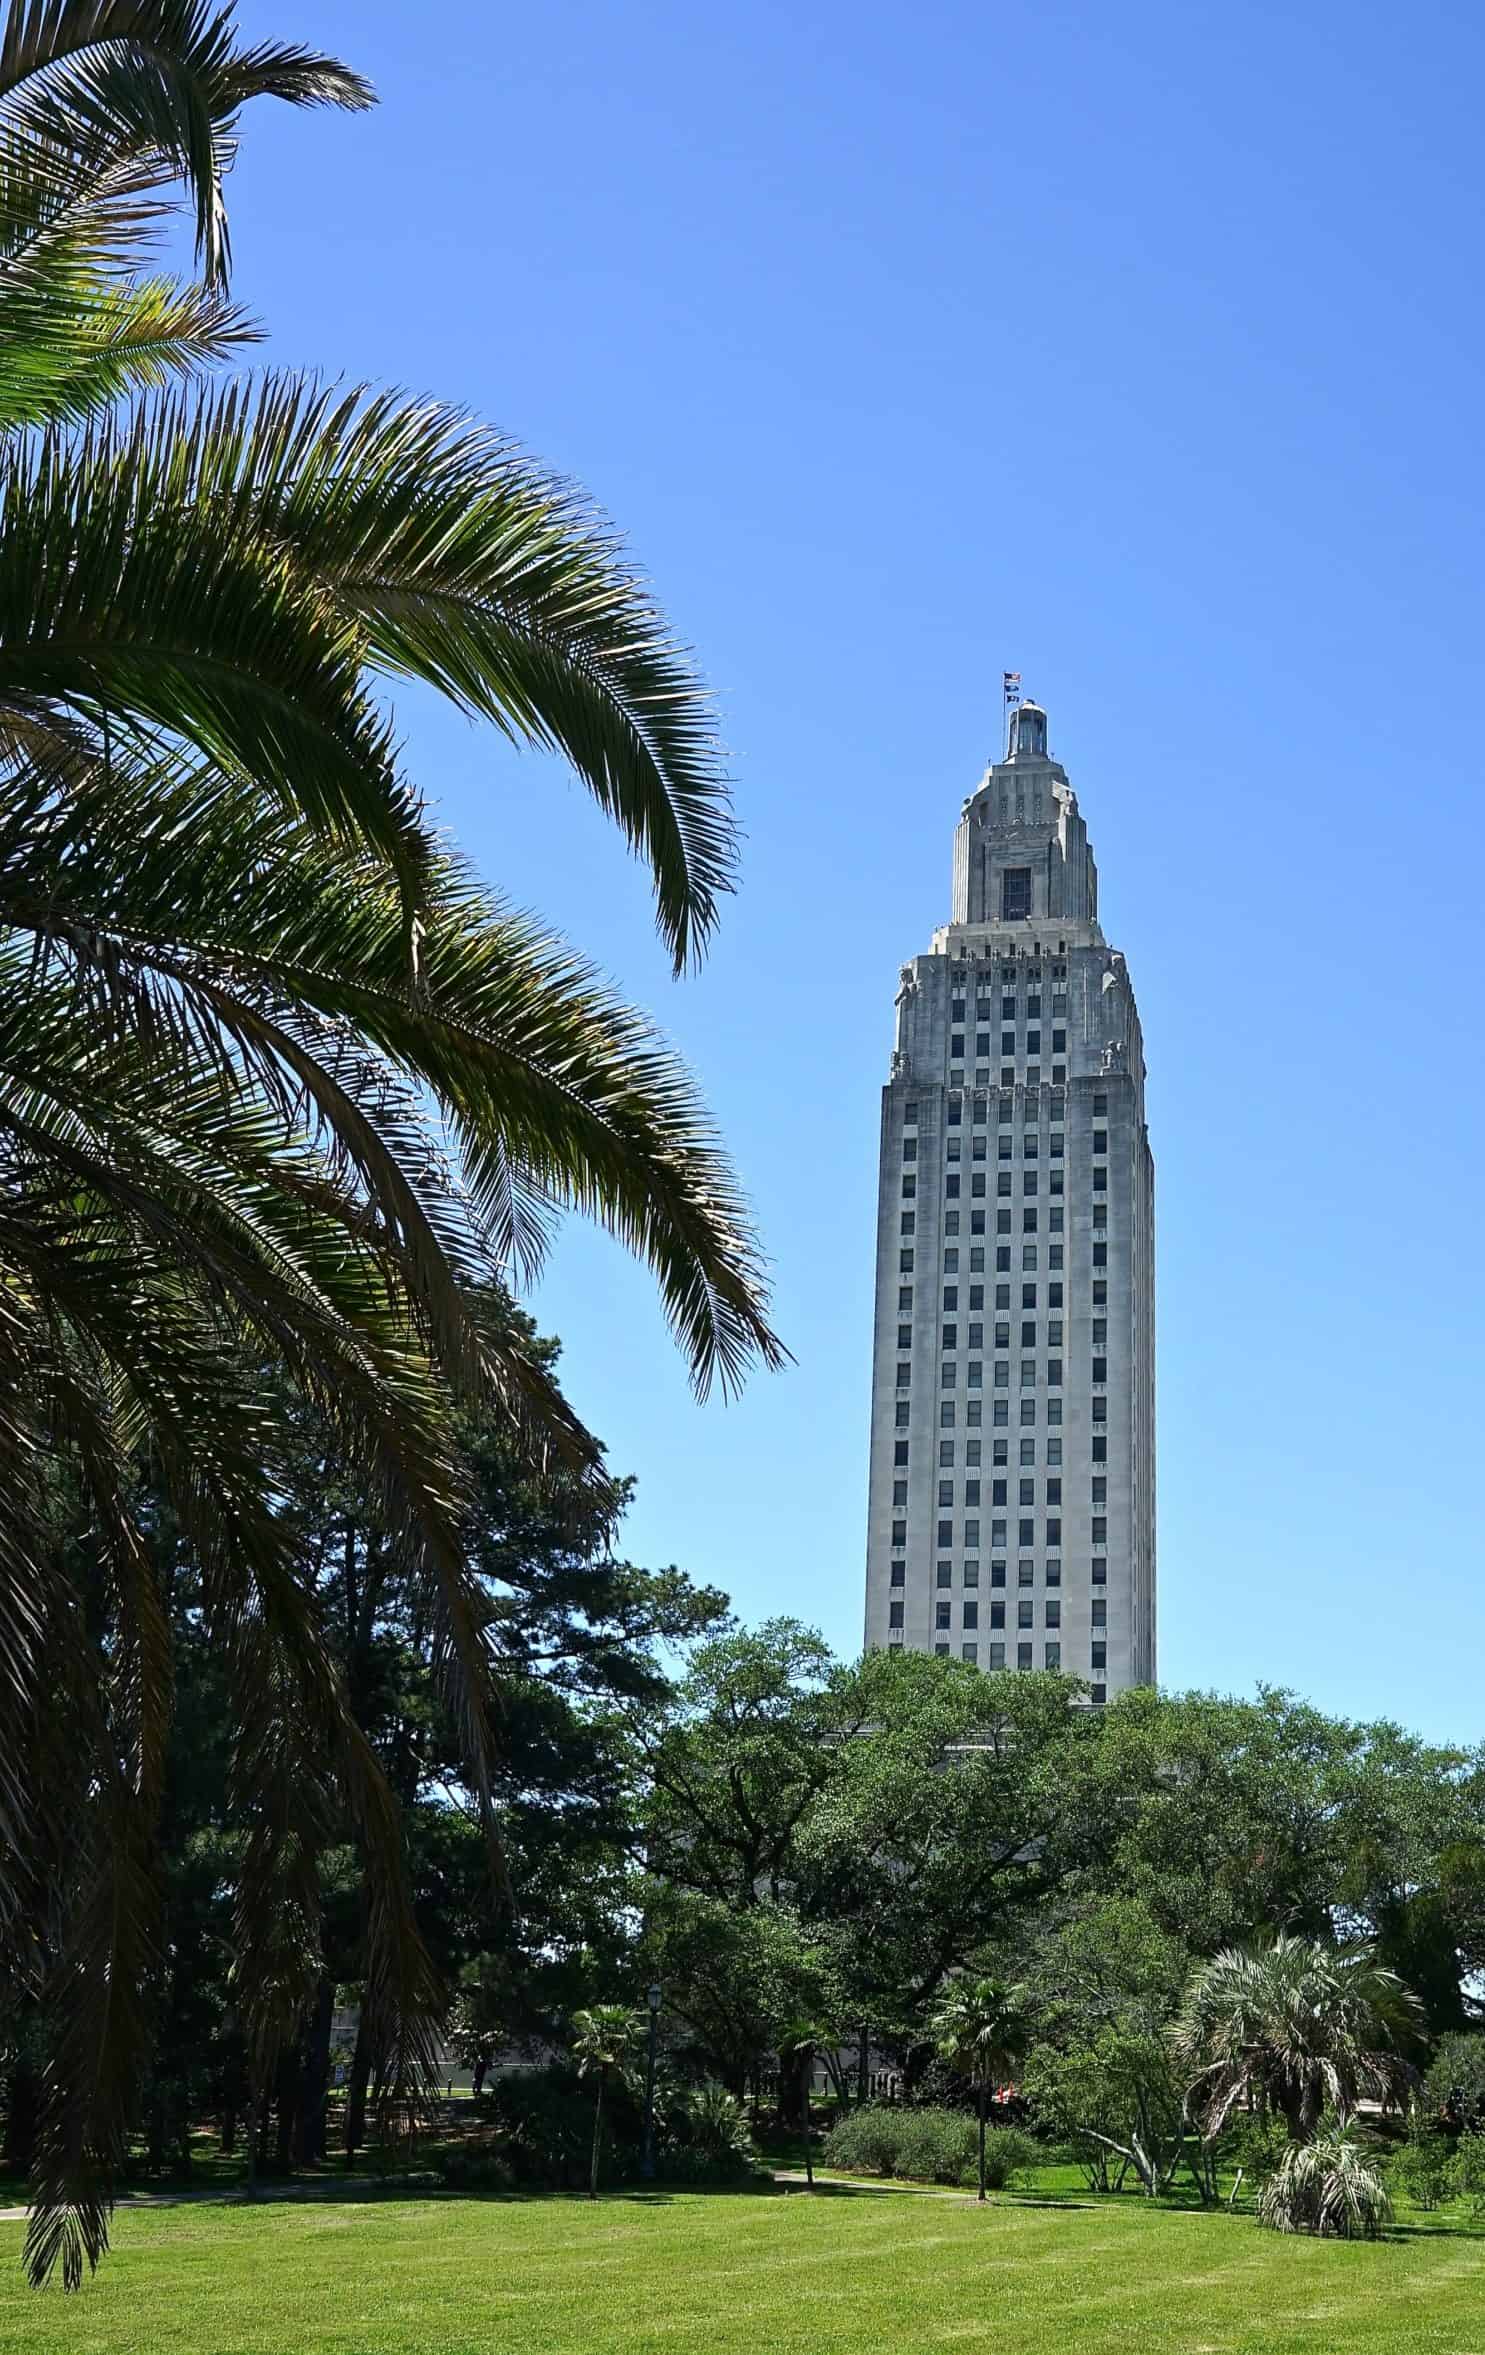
(980, 2104)
(597, 2139)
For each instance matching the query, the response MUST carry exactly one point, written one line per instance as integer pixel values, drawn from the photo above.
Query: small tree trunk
(355, 2093)
(314, 2084)
(597, 2139)
(981, 2106)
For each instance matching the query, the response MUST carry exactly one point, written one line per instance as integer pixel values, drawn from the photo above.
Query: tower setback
(1011, 1518)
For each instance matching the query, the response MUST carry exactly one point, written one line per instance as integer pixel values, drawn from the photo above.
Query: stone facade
(1011, 1518)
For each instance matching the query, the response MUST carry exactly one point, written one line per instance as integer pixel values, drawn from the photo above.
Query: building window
(1098, 1656)
(1054, 1373)
(904, 1336)
(1100, 1180)
(899, 1451)
(997, 1615)
(943, 1650)
(951, 1337)
(1054, 1573)
(910, 1112)
(943, 1574)
(904, 1375)
(1015, 893)
(899, 1533)
(1054, 1533)
(956, 1046)
(1054, 1410)
(899, 1574)
(971, 1493)
(997, 1655)
(894, 1614)
(1033, 1042)
(899, 1492)
(971, 1573)
(1100, 1369)
(1100, 1570)
(909, 1148)
(1052, 1655)
(946, 1492)
(1100, 1610)
(1100, 1107)
(971, 1614)
(904, 1298)
(1098, 1694)
(1027, 1533)
(1100, 1491)
(951, 1187)
(1052, 1613)
(946, 1414)
(1100, 1530)
(969, 1652)
(1023, 1655)
(941, 1614)
(1028, 1181)
(997, 1574)
(904, 1413)
(1054, 1492)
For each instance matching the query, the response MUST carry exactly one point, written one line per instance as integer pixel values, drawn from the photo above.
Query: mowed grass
(841, 2274)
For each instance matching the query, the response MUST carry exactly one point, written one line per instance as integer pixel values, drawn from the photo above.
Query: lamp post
(647, 2162)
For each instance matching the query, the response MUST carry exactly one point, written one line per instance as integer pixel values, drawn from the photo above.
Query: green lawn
(856, 2272)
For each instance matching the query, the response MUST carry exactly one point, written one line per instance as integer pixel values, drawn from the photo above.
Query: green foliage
(925, 2146)
(1467, 2175)
(1454, 2084)
(1330, 2186)
(1421, 2169)
(1010, 2154)
(1296, 2026)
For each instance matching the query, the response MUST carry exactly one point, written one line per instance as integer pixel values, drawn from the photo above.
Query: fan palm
(603, 2037)
(979, 2031)
(280, 1082)
(1296, 2028)
(1330, 2186)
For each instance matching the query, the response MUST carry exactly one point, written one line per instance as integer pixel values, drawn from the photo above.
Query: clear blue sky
(1138, 349)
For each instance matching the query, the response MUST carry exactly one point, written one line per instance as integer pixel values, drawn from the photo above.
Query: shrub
(1467, 2174)
(1329, 2186)
(1421, 2169)
(706, 2139)
(1008, 2153)
(1454, 2088)
(926, 2146)
(481, 2166)
(933, 2145)
(864, 2141)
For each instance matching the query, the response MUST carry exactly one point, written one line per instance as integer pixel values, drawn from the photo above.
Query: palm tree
(799, 2044)
(281, 1085)
(979, 2032)
(1296, 2028)
(603, 2038)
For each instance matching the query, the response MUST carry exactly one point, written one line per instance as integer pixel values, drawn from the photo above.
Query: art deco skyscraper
(1012, 1507)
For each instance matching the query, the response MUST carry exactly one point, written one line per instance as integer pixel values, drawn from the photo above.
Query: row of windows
(953, 1113)
(1031, 1046)
(1025, 1575)
(969, 1616)
(1000, 1452)
(905, 1260)
(1000, 1412)
(1098, 1487)
(984, 1005)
